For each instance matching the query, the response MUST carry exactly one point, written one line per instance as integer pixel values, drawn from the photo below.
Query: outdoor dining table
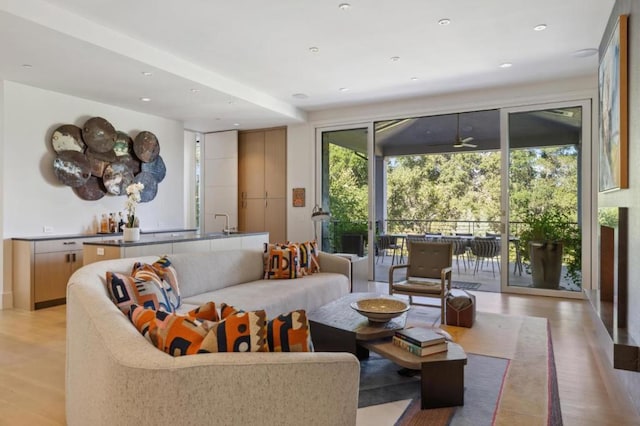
(517, 266)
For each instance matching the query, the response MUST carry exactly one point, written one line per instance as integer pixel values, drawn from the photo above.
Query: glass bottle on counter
(120, 222)
(104, 224)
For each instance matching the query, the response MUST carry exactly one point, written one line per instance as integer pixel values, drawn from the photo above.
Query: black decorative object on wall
(98, 160)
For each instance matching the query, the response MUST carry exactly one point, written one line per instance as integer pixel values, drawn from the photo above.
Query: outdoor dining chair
(485, 249)
(459, 250)
(385, 243)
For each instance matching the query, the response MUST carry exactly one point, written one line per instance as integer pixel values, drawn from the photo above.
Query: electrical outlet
(100, 251)
(47, 229)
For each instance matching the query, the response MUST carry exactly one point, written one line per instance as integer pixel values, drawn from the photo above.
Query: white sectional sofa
(115, 376)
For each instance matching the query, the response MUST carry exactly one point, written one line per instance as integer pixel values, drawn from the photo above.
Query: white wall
(32, 197)
(219, 180)
(300, 174)
(190, 178)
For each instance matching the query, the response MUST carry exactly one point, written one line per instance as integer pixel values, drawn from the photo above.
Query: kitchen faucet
(226, 229)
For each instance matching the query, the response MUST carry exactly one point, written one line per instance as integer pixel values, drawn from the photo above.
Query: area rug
(465, 285)
(528, 390)
(380, 383)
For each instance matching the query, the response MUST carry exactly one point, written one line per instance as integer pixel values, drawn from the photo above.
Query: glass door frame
(586, 193)
(371, 181)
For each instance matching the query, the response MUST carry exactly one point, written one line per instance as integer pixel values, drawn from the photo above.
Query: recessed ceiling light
(147, 73)
(583, 53)
(236, 124)
(395, 58)
(231, 102)
(145, 99)
(506, 65)
(344, 6)
(540, 27)
(444, 21)
(300, 96)
(343, 89)
(195, 90)
(414, 79)
(27, 66)
(313, 49)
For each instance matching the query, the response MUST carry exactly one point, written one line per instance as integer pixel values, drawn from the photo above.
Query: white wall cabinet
(219, 174)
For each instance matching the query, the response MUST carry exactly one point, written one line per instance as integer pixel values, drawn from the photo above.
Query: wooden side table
(442, 374)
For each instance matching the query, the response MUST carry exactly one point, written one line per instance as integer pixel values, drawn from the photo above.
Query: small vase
(131, 234)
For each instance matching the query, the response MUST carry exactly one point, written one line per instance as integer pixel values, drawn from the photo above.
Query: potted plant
(547, 240)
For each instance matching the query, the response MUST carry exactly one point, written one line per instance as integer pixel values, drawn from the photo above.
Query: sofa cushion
(203, 272)
(278, 296)
(143, 288)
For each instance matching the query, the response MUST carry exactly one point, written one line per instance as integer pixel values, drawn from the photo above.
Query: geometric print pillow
(167, 272)
(143, 289)
(285, 333)
(180, 335)
(174, 334)
(282, 262)
(146, 272)
(308, 257)
(289, 333)
(238, 332)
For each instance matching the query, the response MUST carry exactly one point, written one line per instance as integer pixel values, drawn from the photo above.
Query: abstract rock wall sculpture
(98, 160)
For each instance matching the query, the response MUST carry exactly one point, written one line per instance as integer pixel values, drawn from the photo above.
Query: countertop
(157, 238)
(150, 233)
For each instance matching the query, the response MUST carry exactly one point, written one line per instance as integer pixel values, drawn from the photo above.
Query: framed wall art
(298, 197)
(613, 117)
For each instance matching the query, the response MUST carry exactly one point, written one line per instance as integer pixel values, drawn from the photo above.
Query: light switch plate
(100, 251)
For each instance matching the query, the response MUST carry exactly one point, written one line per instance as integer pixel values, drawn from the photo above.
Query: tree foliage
(445, 188)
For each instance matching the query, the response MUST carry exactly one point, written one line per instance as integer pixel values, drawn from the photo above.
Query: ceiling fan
(463, 142)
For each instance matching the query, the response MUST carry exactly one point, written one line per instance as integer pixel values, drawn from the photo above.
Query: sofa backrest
(207, 271)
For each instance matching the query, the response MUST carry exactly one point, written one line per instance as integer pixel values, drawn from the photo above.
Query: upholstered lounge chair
(428, 273)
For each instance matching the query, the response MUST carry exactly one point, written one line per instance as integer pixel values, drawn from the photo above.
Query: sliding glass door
(344, 189)
(544, 194)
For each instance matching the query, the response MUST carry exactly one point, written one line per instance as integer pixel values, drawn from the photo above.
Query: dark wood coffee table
(336, 327)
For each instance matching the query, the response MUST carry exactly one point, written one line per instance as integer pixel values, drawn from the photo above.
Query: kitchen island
(42, 265)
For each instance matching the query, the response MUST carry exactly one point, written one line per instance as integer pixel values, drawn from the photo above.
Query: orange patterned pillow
(174, 334)
(205, 312)
(286, 333)
(238, 332)
(282, 262)
(308, 257)
(289, 333)
(144, 288)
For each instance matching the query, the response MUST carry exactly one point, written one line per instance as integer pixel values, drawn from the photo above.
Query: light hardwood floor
(32, 362)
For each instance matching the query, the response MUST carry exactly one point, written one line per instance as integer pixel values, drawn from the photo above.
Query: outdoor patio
(464, 277)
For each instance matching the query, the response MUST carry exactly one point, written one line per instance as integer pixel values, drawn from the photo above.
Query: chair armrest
(445, 275)
(393, 268)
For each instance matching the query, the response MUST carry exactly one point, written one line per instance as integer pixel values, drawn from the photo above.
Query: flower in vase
(133, 198)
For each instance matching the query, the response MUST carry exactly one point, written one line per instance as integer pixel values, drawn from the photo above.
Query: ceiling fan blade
(467, 139)
(470, 145)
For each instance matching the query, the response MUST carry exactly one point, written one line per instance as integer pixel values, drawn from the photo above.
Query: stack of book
(420, 341)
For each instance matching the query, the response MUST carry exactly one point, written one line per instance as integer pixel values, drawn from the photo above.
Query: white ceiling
(248, 57)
